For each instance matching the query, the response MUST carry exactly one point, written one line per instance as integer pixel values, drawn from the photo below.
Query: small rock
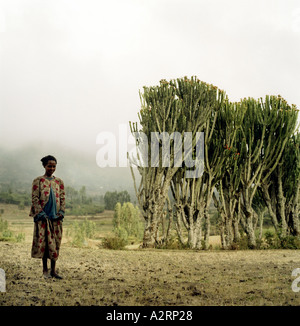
(196, 292)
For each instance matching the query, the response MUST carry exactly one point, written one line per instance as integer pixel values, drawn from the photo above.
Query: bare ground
(100, 277)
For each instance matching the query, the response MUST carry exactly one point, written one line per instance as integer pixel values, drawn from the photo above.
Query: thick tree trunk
(294, 212)
(178, 224)
(250, 230)
(150, 231)
(268, 201)
(210, 190)
(193, 227)
(229, 224)
(154, 209)
(281, 205)
(236, 232)
(249, 225)
(222, 231)
(194, 235)
(236, 222)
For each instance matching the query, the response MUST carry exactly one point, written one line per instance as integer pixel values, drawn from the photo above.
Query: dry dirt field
(136, 277)
(150, 277)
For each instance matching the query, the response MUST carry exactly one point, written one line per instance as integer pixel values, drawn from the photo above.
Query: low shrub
(290, 242)
(172, 243)
(274, 241)
(242, 244)
(114, 242)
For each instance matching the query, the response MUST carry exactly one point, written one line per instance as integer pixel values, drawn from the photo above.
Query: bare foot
(46, 274)
(55, 275)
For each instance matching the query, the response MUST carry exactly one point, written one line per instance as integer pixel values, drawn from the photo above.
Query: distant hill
(18, 167)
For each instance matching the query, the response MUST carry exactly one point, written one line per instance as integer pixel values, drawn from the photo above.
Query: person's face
(50, 168)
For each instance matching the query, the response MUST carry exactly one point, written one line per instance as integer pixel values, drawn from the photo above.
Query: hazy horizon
(70, 70)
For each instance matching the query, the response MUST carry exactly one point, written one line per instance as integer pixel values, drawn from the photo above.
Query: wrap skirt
(47, 237)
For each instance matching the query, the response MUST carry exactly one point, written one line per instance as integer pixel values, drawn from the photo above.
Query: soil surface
(93, 276)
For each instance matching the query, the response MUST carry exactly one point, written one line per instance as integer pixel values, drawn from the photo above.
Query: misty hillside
(18, 167)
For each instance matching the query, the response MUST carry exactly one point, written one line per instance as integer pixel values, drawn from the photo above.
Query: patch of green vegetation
(84, 209)
(274, 241)
(81, 231)
(7, 235)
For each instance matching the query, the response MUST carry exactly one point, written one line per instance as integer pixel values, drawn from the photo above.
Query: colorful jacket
(41, 192)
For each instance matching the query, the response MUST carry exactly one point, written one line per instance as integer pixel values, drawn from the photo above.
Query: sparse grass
(139, 277)
(151, 277)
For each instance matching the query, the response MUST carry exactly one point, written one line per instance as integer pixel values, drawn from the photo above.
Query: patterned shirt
(48, 197)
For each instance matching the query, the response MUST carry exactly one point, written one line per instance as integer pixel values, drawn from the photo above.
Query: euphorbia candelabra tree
(243, 147)
(193, 195)
(228, 186)
(281, 191)
(179, 106)
(159, 113)
(266, 128)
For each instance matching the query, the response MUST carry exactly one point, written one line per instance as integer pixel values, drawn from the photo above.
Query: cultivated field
(94, 276)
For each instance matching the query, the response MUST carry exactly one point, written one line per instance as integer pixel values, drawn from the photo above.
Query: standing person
(47, 210)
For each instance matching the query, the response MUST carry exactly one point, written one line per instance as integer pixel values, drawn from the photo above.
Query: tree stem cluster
(251, 165)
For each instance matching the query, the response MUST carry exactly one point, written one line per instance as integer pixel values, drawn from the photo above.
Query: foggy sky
(70, 69)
